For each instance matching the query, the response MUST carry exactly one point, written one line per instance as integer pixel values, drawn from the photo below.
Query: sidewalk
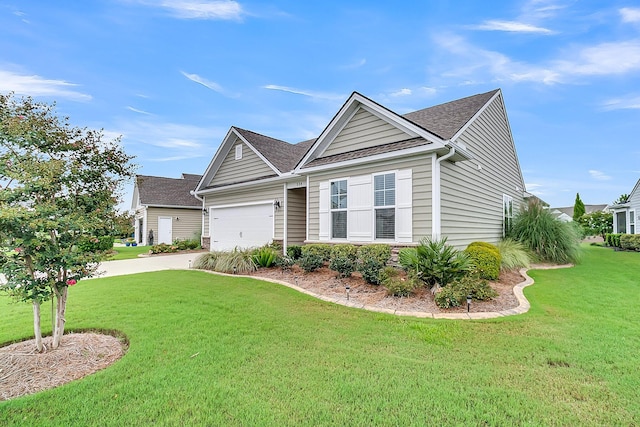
(146, 264)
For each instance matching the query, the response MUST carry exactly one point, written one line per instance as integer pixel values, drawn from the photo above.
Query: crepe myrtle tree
(59, 186)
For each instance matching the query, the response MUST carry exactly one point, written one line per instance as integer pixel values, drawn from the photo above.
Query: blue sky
(172, 76)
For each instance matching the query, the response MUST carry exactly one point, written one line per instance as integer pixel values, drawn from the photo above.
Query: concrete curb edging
(523, 306)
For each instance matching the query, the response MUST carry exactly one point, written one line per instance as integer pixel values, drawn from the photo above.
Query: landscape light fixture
(234, 269)
(468, 302)
(348, 288)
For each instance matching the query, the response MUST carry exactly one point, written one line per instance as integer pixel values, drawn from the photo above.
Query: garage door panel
(242, 226)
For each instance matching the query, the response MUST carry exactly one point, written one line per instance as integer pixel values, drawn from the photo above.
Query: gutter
(436, 217)
(204, 210)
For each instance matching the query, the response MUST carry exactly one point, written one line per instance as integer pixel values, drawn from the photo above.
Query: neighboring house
(566, 214)
(371, 176)
(166, 206)
(626, 216)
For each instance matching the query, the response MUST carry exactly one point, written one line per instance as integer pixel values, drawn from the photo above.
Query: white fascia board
(347, 111)
(217, 159)
(242, 185)
(174, 207)
(384, 156)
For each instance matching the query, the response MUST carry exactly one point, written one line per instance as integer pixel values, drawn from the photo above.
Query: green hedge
(613, 239)
(323, 250)
(630, 242)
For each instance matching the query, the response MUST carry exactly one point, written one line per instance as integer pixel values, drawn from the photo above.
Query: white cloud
(204, 82)
(630, 14)
(599, 175)
(135, 110)
(629, 103)
(614, 58)
(34, 85)
(402, 92)
(309, 93)
(603, 59)
(356, 64)
(194, 9)
(511, 26)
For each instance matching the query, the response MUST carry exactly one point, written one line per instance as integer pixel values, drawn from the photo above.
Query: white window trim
(632, 221)
(332, 210)
(506, 215)
(239, 152)
(394, 206)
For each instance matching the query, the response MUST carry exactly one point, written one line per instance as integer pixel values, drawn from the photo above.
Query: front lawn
(211, 350)
(128, 252)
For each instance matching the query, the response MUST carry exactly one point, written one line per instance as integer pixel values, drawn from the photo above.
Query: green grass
(128, 252)
(267, 355)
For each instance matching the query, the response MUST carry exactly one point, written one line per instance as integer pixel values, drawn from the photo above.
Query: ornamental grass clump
(264, 257)
(513, 255)
(548, 238)
(238, 261)
(207, 261)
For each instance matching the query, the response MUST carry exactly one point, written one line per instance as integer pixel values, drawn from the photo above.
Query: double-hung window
(632, 222)
(339, 209)
(384, 196)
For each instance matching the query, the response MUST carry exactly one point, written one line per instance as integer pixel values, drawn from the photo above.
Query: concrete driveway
(147, 264)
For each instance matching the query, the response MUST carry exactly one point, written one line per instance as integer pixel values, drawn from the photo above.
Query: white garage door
(241, 226)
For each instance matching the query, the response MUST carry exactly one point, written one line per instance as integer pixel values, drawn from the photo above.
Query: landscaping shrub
(343, 265)
(264, 257)
(284, 262)
(513, 255)
(435, 262)
(630, 242)
(176, 246)
(485, 259)
(294, 252)
(163, 248)
(343, 259)
(310, 261)
(321, 249)
(206, 261)
(238, 261)
(370, 269)
(379, 251)
(613, 239)
(396, 284)
(96, 244)
(547, 237)
(455, 293)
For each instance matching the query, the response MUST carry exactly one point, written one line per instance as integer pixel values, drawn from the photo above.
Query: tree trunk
(36, 325)
(61, 306)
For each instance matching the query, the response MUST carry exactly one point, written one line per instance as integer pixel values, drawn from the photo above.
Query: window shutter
(323, 211)
(404, 206)
(360, 217)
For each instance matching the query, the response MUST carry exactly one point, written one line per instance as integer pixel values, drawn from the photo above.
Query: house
(565, 214)
(372, 175)
(627, 215)
(166, 207)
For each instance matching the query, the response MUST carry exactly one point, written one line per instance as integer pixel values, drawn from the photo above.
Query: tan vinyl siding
(249, 167)
(255, 193)
(421, 177)
(187, 227)
(296, 216)
(471, 198)
(364, 130)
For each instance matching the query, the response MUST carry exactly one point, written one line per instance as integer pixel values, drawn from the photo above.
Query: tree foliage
(624, 198)
(578, 208)
(58, 189)
(597, 223)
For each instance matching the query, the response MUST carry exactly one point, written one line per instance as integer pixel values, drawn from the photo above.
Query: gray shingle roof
(370, 151)
(443, 120)
(446, 119)
(160, 191)
(281, 154)
(587, 209)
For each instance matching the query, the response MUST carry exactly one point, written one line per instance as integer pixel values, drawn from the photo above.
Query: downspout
(193, 193)
(436, 217)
